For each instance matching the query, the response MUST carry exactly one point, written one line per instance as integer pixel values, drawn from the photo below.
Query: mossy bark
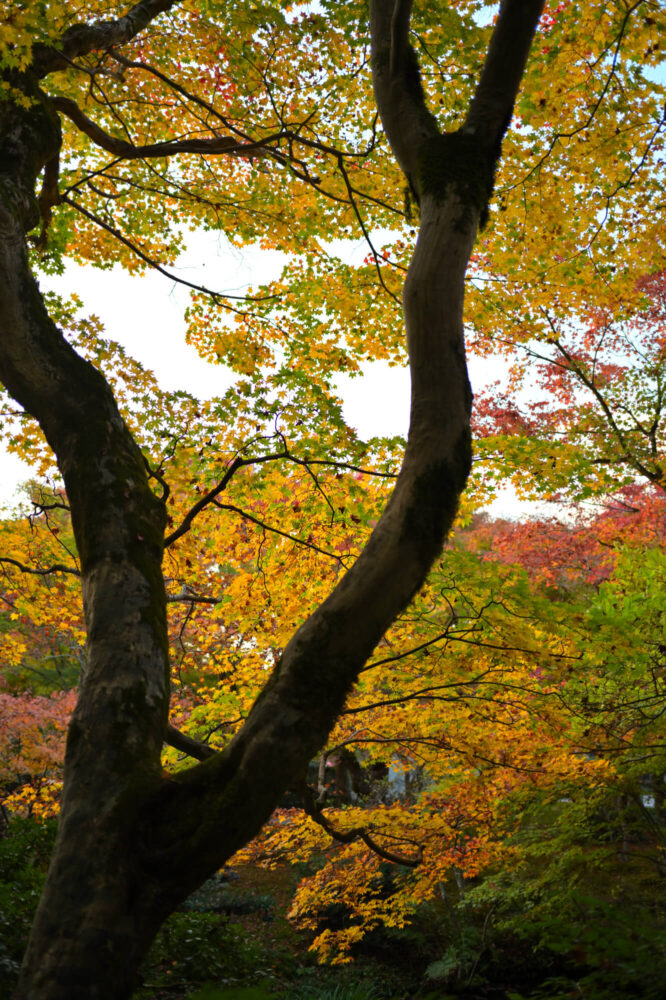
(116, 734)
(457, 161)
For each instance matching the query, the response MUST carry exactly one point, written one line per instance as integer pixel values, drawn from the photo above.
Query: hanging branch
(314, 811)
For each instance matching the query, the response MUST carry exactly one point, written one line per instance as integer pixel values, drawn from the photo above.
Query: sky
(146, 315)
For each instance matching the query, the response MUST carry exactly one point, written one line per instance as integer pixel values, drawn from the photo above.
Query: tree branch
(216, 296)
(276, 531)
(220, 145)
(237, 464)
(81, 39)
(56, 568)
(408, 652)
(193, 748)
(314, 811)
(400, 55)
(48, 197)
(210, 496)
(397, 84)
(186, 597)
(492, 105)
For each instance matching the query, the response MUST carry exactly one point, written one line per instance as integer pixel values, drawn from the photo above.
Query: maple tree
(523, 696)
(595, 418)
(265, 506)
(529, 671)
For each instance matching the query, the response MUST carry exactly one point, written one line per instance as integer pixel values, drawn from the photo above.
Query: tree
(510, 715)
(524, 690)
(597, 421)
(132, 843)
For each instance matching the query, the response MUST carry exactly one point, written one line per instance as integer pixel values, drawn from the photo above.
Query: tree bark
(132, 845)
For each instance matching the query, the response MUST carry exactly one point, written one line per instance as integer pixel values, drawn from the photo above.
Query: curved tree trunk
(131, 845)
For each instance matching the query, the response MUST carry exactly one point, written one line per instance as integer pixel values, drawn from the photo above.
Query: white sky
(146, 315)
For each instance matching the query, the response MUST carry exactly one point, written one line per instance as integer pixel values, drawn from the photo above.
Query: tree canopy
(245, 579)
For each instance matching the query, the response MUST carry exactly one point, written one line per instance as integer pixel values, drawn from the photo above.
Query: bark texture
(132, 845)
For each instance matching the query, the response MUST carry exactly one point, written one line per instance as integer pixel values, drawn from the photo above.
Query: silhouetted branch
(314, 811)
(193, 748)
(55, 568)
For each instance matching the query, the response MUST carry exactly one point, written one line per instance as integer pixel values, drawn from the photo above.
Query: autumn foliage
(509, 728)
(529, 670)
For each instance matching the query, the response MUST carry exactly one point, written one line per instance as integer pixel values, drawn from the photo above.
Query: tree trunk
(131, 844)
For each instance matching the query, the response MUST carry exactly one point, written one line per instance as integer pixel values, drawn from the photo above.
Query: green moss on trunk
(457, 159)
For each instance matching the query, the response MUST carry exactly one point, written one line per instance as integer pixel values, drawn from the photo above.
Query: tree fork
(132, 844)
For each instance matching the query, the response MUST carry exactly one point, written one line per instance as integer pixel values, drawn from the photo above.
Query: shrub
(25, 849)
(197, 948)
